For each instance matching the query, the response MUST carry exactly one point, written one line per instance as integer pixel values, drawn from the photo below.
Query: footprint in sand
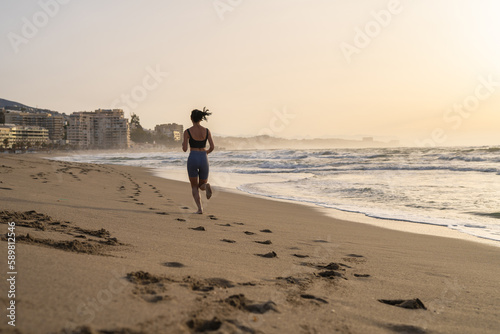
(328, 270)
(269, 255)
(236, 223)
(208, 284)
(249, 233)
(162, 213)
(308, 296)
(180, 219)
(228, 241)
(362, 275)
(242, 303)
(202, 326)
(332, 266)
(329, 274)
(199, 228)
(406, 329)
(173, 265)
(354, 258)
(266, 231)
(267, 242)
(224, 225)
(413, 304)
(212, 217)
(300, 256)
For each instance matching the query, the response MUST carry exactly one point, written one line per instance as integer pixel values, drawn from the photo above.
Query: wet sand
(114, 249)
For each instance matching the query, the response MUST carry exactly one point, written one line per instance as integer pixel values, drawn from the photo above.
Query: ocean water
(454, 187)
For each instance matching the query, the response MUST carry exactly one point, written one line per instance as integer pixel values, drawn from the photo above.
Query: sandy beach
(114, 249)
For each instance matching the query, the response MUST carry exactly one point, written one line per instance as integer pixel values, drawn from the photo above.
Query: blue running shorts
(197, 164)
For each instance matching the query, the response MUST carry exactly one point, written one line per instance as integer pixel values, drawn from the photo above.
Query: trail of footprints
(63, 168)
(130, 187)
(137, 191)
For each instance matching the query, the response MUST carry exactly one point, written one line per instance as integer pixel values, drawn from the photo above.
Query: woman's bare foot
(199, 212)
(208, 190)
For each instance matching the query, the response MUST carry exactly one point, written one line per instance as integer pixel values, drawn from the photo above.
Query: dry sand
(113, 249)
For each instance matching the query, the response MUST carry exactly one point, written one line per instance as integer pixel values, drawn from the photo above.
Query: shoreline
(116, 248)
(355, 217)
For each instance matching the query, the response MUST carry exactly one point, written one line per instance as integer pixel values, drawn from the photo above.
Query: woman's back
(193, 141)
(198, 133)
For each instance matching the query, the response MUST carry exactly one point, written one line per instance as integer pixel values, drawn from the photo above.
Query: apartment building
(23, 135)
(53, 123)
(4, 134)
(170, 130)
(100, 129)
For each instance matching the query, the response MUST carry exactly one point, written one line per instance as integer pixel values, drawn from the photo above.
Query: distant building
(4, 134)
(53, 123)
(171, 130)
(103, 129)
(13, 117)
(23, 135)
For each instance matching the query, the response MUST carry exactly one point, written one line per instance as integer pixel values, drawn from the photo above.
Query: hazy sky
(426, 72)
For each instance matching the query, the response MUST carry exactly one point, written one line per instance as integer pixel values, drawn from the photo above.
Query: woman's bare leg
(196, 193)
(205, 186)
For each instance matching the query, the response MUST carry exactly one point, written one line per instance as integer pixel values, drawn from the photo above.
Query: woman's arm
(211, 142)
(186, 141)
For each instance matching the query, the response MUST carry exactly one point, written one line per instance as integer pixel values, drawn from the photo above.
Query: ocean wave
(379, 156)
(493, 149)
(495, 215)
(345, 168)
(361, 191)
(324, 153)
(462, 158)
(427, 168)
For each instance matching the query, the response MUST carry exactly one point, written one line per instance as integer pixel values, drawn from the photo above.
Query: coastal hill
(8, 104)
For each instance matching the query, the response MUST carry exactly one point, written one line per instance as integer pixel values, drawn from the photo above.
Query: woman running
(197, 164)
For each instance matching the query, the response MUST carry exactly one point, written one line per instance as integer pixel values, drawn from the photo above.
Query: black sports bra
(197, 143)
